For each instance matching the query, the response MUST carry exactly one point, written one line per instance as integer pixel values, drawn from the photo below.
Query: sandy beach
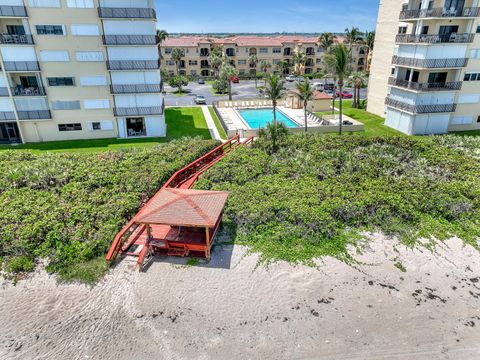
(233, 308)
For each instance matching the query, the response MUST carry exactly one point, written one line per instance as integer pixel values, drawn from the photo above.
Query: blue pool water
(258, 118)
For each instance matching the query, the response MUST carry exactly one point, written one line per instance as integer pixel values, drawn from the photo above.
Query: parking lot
(244, 90)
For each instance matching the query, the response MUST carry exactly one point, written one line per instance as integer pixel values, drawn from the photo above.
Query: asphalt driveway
(244, 90)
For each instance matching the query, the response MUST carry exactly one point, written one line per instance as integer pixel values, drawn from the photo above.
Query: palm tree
(352, 36)
(264, 66)
(162, 35)
(283, 66)
(326, 41)
(305, 93)
(274, 90)
(253, 61)
(337, 61)
(299, 60)
(177, 55)
(216, 62)
(357, 80)
(369, 44)
(228, 71)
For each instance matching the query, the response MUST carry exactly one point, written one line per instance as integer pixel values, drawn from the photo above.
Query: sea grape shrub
(68, 207)
(318, 194)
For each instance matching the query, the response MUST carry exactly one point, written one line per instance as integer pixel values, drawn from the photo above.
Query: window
(277, 50)
(192, 62)
(462, 120)
(275, 61)
(83, 4)
(94, 80)
(478, 119)
(402, 30)
(66, 105)
(61, 81)
(96, 104)
(170, 63)
(478, 29)
(319, 61)
(241, 72)
(475, 54)
(54, 56)
(50, 30)
(100, 125)
(86, 56)
(242, 62)
(69, 127)
(263, 50)
(168, 50)
(85, 30)
(472, 77)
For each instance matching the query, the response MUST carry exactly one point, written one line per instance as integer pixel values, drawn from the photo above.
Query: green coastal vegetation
(317, 194)
(68, 207)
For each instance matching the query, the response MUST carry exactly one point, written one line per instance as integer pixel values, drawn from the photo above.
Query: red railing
(198, 166)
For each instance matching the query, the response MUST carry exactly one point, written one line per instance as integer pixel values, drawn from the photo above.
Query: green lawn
(181, 122)
(374, 124)
(219, 126)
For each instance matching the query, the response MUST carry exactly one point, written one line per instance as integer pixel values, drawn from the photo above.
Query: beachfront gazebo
(179, 222)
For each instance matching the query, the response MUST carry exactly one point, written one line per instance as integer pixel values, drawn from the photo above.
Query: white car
(290, 78)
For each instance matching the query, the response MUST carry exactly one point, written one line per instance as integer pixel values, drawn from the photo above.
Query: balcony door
(438, 77)
(455, 5)
(15, 30)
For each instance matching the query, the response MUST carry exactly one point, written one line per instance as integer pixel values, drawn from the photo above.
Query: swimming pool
(258, 118)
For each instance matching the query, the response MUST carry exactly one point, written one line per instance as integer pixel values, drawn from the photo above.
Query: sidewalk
(211, 124)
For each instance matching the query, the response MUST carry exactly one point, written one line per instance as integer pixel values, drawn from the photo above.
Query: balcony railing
(439, 13)
(205, 66)
(137, 88)
(22, 66)
(452, 86)
(130, 39)
(4, 91)
(204, 54)
(430, 63)
(34, 115)
(127, 13)
(7, 115)
(434, 39)
(133, 64)
(28, 91)
(16, 39)
(420, 109)
(13, 11)
(139, 111)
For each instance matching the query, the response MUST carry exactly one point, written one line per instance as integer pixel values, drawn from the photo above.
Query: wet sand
(232, 308)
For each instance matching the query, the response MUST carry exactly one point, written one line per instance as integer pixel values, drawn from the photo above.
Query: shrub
(68, 207)
(220, 86)
(317, 193)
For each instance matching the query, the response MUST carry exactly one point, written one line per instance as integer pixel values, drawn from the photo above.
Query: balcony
(22, 66)
(126, 13)
(139, 111)
(16, 39)
(13, 11)
(7, 116)
(430, 63)
(435, 39)
(420, 109)
(410, 85)
(130, 39)
(133, 64)
(34, 115)
(28, 91)
(137, 88)
(468, 12)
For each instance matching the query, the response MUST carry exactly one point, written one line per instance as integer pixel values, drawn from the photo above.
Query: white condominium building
(79, 69)
(425, 74)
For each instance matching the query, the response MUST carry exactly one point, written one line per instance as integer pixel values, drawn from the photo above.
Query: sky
(262, 16)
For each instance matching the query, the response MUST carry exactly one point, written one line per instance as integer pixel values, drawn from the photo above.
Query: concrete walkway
(211, 124)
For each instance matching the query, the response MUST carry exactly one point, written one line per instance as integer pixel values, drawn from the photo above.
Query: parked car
(235, 79)
(290, 78)
(347, 122)
(319, 86)
(201, 81)
(345, 95)
(329, 87)
(300, 79)
(329, 93)
(200, 100)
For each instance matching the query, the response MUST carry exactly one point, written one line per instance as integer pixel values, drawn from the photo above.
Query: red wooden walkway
(134, 235)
